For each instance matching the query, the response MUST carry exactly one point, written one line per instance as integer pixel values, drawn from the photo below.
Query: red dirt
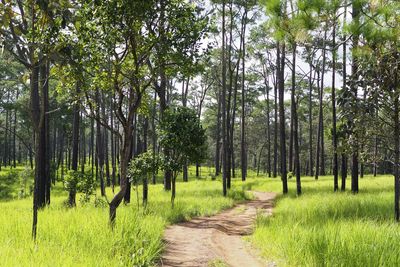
(204, 240)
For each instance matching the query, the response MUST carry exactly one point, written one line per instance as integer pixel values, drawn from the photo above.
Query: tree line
(285, 87)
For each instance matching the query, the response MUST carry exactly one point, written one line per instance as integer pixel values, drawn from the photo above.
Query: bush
(6, 183)
(78, 182)
(100, 203)
(26, 178)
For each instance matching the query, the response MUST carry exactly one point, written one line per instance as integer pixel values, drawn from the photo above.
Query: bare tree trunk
(310, 118)
(344, 156)
(100, 146)
(125, 151)
(268, 125)
(354, 70)
(276, 114)
(281, 84)
(75, 145)
(217, 139)
(319, 133)
(295, 124)
(223, 107)
(333, 95)
(243, 151)
(396, 123)
(154, 136)
(322, 154)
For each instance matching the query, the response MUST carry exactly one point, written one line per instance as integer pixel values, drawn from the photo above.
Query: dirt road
(217, 239)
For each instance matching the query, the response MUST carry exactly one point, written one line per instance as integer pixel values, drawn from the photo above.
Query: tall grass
(81, 236)
(323, 228)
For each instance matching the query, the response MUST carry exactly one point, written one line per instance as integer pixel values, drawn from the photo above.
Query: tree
(140, 168)
(181, 133)
(29, 40)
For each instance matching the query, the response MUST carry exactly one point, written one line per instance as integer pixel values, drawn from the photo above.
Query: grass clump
(324, 228)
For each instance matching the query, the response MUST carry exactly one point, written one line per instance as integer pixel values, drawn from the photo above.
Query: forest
(199, 133)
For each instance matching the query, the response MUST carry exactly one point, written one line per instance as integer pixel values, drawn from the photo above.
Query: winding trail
(204, 240)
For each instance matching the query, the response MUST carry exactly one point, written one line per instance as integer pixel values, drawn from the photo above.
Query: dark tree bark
(39, 112)
(396, 171)
(144, 149)
(75, 144)
(105, 142)
(344, 52)
(267, 89)
(243, 151)
(230, 69)
(282, 134)
(310, 116)
(333, 95)
(92, 145)
(100, 145)
(6, 138)
(318, 152)
(185, 90)
(218, 136)
(154, 135)
(113, 165)
(295, 124)
(276, 114)
(223, 107)
(354, 70)
(14, 136)
(322, 135)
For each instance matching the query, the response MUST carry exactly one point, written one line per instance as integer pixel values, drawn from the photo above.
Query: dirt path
(204, 240)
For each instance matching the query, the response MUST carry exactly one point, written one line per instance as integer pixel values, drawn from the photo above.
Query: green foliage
(142, 165)
(181, 134)
(78, 182)
(7, 181)
(26, 176)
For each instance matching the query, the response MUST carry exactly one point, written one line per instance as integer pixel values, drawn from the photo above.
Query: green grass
(320, 228)
(81, 236)
(323, 228)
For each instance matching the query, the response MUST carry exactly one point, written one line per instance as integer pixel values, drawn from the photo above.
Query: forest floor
(217, 240)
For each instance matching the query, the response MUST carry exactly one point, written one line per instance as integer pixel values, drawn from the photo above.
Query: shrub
(78, 182)
(26, 178)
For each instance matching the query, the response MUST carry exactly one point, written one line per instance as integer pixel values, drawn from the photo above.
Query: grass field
(320, 228)
(81, 236)
(323, 228)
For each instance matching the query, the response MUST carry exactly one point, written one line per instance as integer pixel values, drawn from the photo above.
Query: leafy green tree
(140, 168)
(182, 134)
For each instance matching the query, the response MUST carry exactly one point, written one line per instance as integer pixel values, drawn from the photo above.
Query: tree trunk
(100, 145)
(268, 127)
(354, 71)
(173, 192)
(295, 125)
(125, 151)
(217, 139)
(282, 118)
(396, 123)
(318, 152)
(243, 152)
(154, 136)
(223, 107)
(322, 154)
(333, 95)
(310, 118)
(276, 115)
(75, 145)
(344, 52)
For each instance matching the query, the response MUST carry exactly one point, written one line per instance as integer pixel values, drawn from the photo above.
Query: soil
(217, 240)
